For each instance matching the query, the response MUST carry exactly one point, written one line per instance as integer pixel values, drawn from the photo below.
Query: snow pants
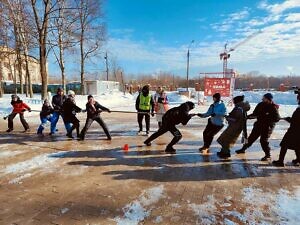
(209, 132)
(264, 132)
(44, 121)
(22, 119)
(176, 133)
(89, 122)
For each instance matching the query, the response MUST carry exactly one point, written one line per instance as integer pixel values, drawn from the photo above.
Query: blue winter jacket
(219, 109)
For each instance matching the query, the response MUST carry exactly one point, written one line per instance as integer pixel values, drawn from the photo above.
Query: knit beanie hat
(269, 96)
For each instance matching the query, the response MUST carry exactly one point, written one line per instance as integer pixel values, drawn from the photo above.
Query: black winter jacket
(266, 114)
(291, 139)
(93, 112)
(177, 115)
(69, 110)
(58, 101)
(46, 111)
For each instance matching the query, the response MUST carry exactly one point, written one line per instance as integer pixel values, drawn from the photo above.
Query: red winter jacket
(19, 106)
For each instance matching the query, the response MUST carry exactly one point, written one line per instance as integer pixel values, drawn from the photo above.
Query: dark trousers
(264, 132)
(11, 121)
(140, 118)
(283, 151)
(89, 122)
(210, 131)
(176, 133)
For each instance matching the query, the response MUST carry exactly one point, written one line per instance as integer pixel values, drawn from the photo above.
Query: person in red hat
(291, 139)
(19, 107)
(267, 115)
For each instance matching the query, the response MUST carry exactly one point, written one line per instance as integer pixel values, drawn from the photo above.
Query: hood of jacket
(244, 105)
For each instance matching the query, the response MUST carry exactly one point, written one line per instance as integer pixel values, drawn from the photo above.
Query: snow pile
(205, 212)
(5, 154)
(18, 180)
(257, 207)
(136, 211)
(36, 162)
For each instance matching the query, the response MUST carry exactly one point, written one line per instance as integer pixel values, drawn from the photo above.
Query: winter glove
(83, 110)
(29, 110)
(200, 114)
(213, 115)
(152, 114)
(108, 110)
(23, 110)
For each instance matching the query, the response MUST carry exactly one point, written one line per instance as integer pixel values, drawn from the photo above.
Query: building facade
(9, 67)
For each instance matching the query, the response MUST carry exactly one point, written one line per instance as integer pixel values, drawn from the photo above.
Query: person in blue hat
(267, 115)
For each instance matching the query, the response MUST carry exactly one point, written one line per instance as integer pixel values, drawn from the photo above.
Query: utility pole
(105, 57)
(188, 66)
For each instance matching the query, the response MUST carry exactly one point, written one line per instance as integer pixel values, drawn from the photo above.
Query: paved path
(53, 180)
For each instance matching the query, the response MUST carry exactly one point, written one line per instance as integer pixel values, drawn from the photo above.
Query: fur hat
(90, 96)
(70, 92)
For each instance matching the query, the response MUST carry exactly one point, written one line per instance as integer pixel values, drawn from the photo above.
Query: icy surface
(137, 211)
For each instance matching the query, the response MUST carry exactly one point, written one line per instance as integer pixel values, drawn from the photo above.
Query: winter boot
(26, 130)
(147, 143)
(242, 150)
(170, 150)
(223, 155)
(203, 149)
(295, 162)
(69, 135)
(9, 130)
(278, 163)
(265, 158)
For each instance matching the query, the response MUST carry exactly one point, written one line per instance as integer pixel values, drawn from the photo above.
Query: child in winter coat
(69, 113)
(172, 118)
(19, 107)
(161, 107)
(216, 112)
(267, 116)
(45, 116)
(291, 139)
(93, 109)
(236, 124)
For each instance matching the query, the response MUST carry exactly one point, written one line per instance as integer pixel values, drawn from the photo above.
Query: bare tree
(42, 12)
(61, 39)
(90, 33)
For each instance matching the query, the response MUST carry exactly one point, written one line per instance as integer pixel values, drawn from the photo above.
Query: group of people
(266, 115)
(61, 106)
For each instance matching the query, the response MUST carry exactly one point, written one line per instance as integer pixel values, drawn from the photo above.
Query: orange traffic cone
(126, 147)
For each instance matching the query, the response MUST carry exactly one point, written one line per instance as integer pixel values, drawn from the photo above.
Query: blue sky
(148, 36)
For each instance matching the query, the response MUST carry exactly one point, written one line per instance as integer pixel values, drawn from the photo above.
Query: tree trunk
(62, 62)
(20, 74)
(43, 67)
(82, 64)
(1, 78)
(28, 75)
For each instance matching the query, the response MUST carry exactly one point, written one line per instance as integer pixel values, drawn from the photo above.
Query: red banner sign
(218, 85)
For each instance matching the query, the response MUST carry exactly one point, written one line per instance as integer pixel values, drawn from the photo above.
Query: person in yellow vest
(144, 103)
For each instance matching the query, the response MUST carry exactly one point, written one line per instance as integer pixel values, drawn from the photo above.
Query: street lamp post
(188, 66)
(105, 57)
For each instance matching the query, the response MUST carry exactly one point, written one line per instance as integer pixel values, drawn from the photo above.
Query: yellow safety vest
(145, 102)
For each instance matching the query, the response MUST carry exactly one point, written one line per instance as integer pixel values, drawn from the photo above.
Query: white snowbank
(136, 211)
(261, 207)
(5, 154)
(36, 162)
